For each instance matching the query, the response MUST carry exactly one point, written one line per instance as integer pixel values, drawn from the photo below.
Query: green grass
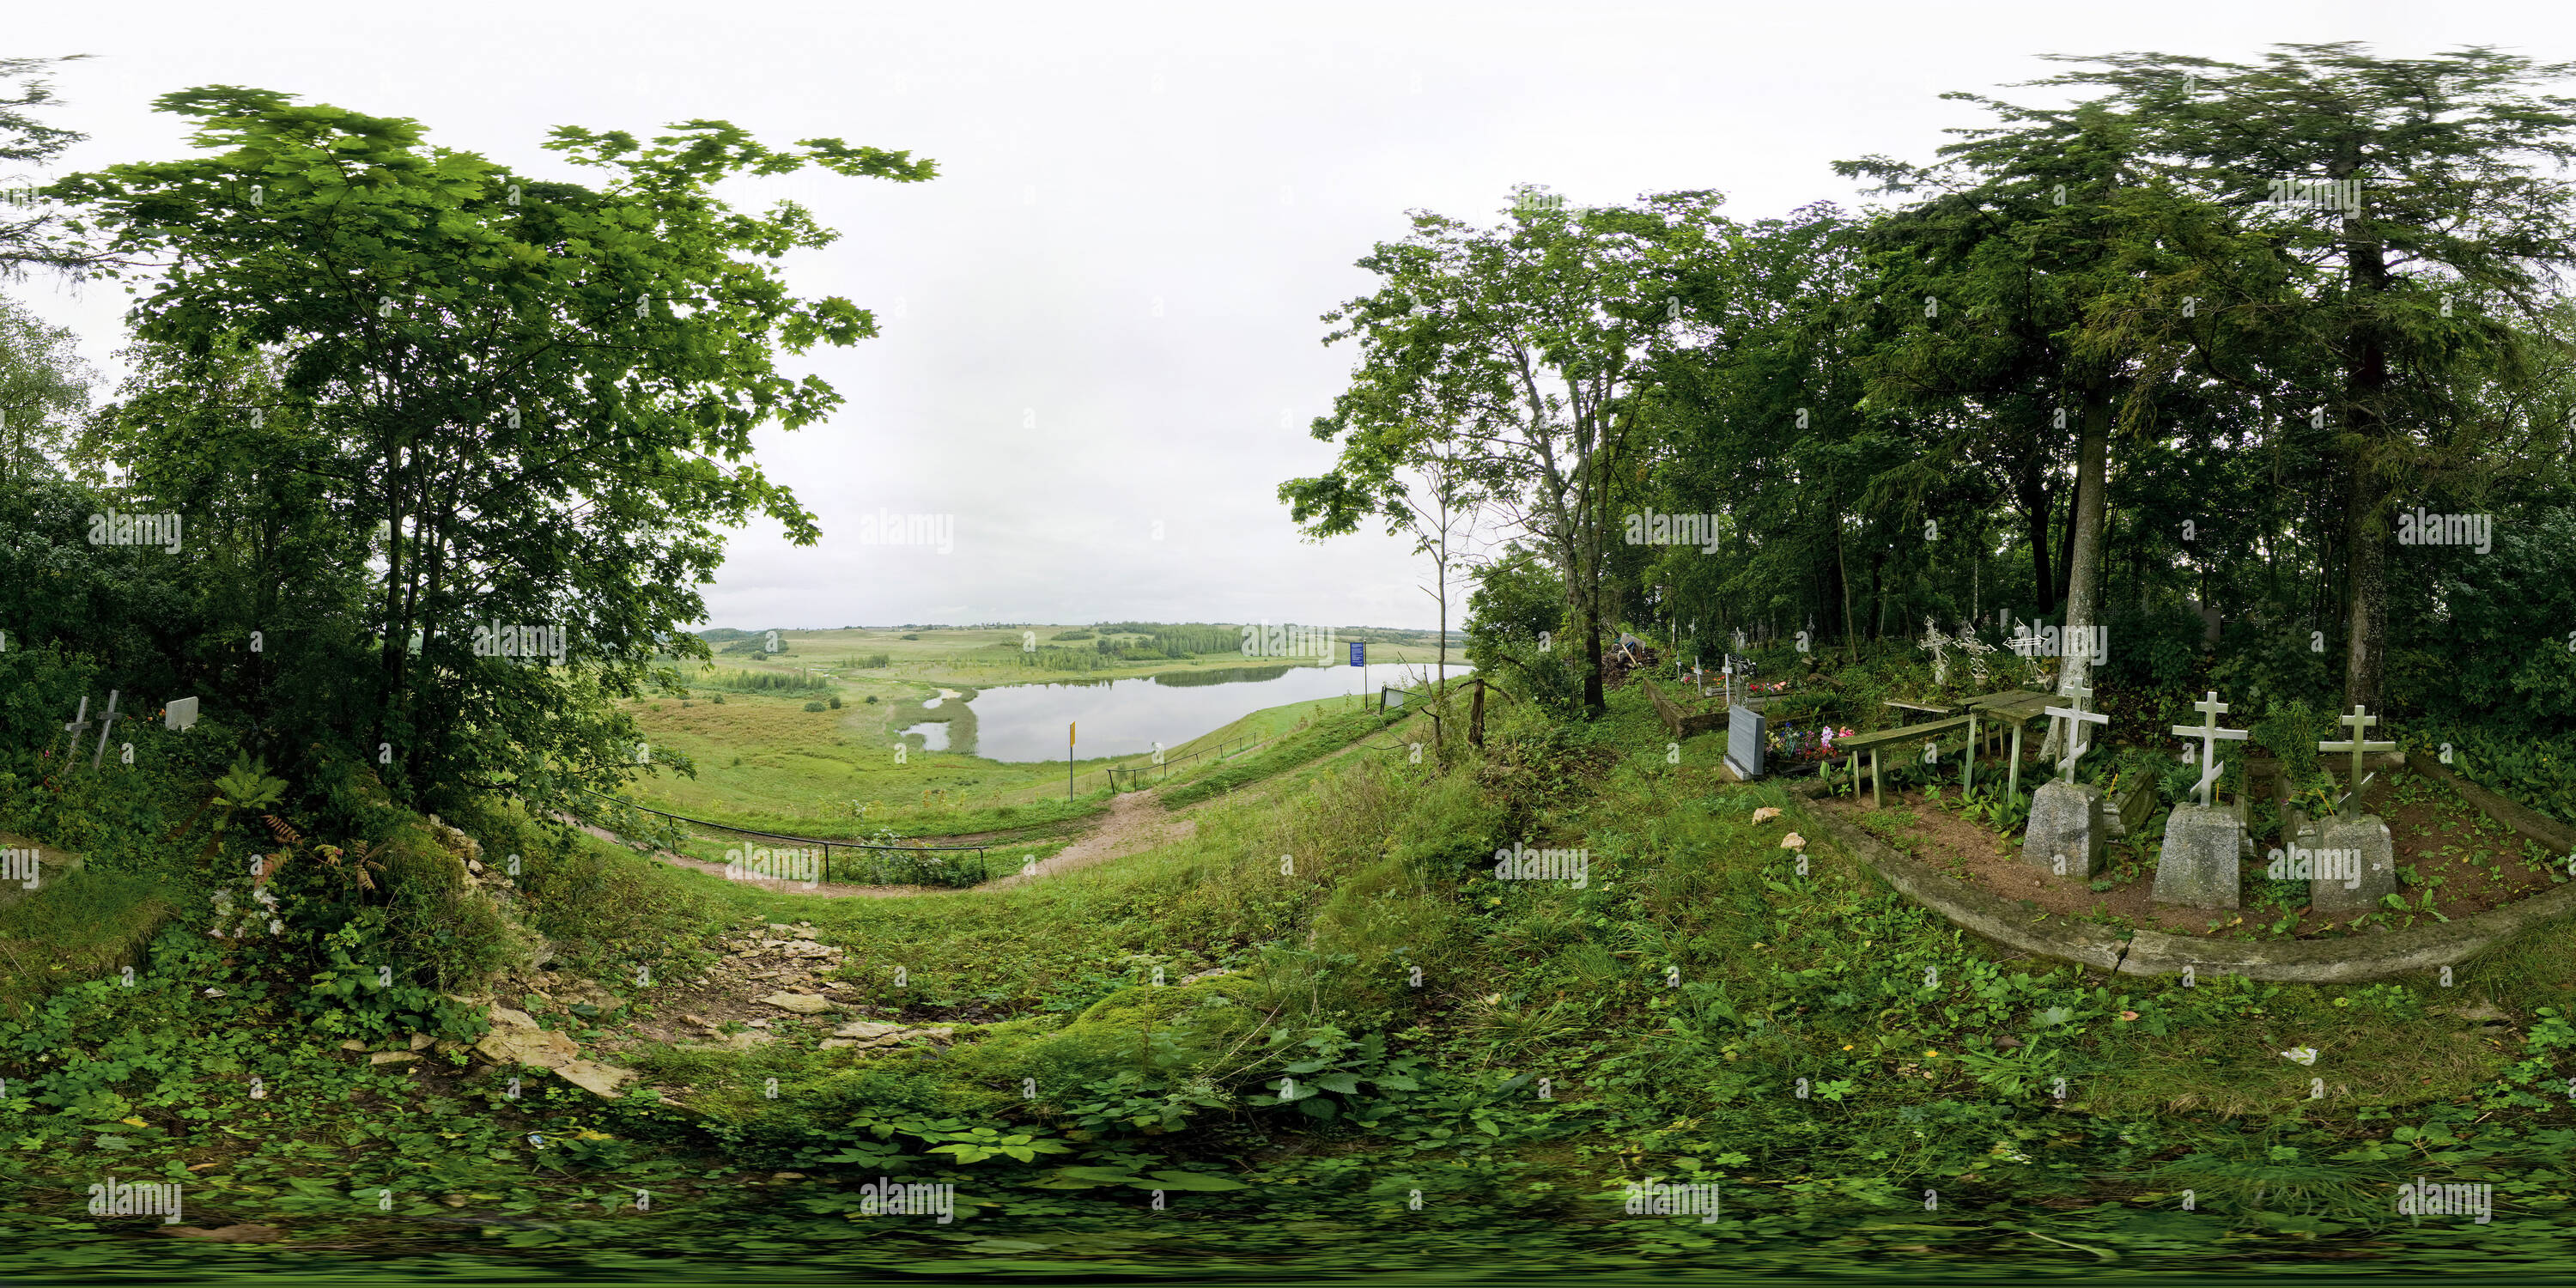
(88, 925)
(985, 657)
(1673, 1006)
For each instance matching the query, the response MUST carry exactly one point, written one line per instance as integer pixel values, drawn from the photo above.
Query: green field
(1506, 1054)
(764, 761)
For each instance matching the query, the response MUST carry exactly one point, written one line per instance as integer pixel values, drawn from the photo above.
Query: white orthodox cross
(105, 723)
(2076, 717)
(2358, 744)
(2210, 736)
(78, 726)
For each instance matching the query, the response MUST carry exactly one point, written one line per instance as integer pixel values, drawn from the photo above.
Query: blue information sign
(1359, 654)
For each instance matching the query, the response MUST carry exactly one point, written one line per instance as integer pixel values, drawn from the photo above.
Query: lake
(1127, 717)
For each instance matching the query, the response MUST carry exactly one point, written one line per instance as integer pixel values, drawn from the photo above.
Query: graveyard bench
(1906, 735)
(2014, 709)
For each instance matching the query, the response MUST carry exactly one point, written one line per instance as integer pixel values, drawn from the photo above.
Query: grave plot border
(2387, 955)
(1681, 725)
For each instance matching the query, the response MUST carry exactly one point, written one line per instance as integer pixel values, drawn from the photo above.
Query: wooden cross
(78, 726)
(2076, 717)
(2358, 744)
(104, 725)
(2210, 736)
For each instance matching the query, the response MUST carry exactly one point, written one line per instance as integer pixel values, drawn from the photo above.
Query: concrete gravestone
(2067, 831)
(2357, 840)
(1744, 734)
(2197, 868)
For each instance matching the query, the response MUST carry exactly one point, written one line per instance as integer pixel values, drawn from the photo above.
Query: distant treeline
(869, 663)
(1051, 658)
(1179, 640)
(1176, 640)
(766, 682)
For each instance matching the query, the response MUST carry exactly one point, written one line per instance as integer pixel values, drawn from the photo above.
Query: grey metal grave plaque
(1744, 730)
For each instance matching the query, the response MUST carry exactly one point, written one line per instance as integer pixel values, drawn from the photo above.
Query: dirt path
(1137, 822)
(825, 889)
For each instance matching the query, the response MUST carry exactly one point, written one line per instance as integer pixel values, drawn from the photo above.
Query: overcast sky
(1141, 214)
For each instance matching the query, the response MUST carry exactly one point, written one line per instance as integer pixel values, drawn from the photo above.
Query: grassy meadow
(764, 761)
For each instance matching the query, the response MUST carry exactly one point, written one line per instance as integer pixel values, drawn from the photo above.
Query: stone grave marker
(2359, 843)
(1744, 734)
(2202, 840)
(2066, 832)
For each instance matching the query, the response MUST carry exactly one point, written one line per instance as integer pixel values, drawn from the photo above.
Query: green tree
(1521, 344)
(33, 232)
(525, 400)
(2434, 197)
(44, 387)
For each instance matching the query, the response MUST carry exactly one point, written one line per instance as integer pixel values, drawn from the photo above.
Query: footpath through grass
(1412, 1063)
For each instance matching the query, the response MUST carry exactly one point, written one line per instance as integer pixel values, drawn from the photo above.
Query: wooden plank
(1908, 733)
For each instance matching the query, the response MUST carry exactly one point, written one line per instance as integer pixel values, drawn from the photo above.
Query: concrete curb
(2148, 952)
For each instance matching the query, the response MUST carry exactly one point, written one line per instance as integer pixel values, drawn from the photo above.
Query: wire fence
(922, 869)
(1148, 774)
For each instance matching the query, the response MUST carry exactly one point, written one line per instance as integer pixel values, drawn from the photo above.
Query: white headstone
(180, 714)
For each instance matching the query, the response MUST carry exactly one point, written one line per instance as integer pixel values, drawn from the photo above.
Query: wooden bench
(1931, 733)
(2013, 708)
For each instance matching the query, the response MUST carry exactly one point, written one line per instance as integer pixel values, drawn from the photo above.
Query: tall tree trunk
(1842, 585)
(2035, 504)
(2084, 560)
(1878, 593)
(2365, 538)
(1440, 686)
(2066, 541)
(1588, 542)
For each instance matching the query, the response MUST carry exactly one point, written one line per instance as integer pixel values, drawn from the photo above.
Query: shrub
(836, 702)
(814, 706)
(871, 698)
(2291, 733)
(2155, 647)
(769, 682)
